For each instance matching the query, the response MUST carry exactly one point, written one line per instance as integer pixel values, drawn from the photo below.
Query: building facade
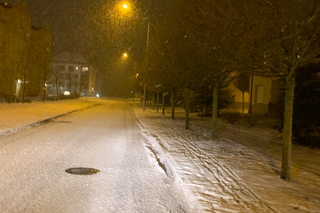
(263, 93)
(24, 53)
(71, 75)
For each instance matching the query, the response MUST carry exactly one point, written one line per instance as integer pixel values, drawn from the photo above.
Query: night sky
(69, 18)
(84, 26)
(62, 15)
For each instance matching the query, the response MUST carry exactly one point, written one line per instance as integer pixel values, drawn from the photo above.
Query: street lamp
(125, 55)
(124, 9)
(145, 83)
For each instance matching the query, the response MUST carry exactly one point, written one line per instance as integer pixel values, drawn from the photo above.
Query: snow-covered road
(105, 137)
(147, 162)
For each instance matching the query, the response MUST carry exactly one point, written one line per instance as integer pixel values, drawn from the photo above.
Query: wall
(39, 60)
(19, 55)
(237, 105)
(261, 94)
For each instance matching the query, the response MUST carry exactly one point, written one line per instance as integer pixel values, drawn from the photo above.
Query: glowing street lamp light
(124, 9)
(124, 58)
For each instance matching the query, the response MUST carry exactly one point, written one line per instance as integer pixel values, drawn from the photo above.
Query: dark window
(71, 68)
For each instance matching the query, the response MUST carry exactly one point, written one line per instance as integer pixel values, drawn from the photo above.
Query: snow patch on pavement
(153, 144)
(16, 116)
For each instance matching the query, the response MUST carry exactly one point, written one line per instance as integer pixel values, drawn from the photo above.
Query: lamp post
(126, 8)
(145, 81)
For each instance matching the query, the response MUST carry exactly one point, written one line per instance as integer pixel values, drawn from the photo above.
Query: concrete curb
(42, 122)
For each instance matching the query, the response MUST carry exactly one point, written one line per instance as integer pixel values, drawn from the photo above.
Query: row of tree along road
(212, 43)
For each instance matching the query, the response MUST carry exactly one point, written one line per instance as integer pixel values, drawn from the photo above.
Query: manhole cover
(82, 171)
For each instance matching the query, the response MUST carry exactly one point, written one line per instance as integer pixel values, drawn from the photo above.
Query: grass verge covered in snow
(241, 172)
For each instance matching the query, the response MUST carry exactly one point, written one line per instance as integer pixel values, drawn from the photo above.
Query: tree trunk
(242, 102)
(250, 101)
(215, 114)
(58, 85)
(153, 103)
(44, 86)
(187, 109)
(163, 107)
(24, 87)
(147, 100)
(11, 79)
(144, 98)
(287, 127)
(172, 114)
(158, 102)
(57, 88)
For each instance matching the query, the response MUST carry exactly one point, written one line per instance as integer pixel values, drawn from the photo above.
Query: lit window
(85, 68)
(77, 68)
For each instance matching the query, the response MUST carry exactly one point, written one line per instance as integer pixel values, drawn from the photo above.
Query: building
(15, 30)
(25, 53)
(263, 93)
(71, 75)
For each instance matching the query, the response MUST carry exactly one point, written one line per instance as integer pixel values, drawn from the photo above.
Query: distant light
(125, 54)
(45, 85)
(77, 68)
(125, 6)
(19, 81)
(98, 95)
(66, 93)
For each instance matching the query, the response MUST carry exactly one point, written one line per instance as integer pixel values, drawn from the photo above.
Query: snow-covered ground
(17, 116)
(105, 137)
(238, 174)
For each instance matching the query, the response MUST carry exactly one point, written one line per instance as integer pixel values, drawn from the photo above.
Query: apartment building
(71, 75)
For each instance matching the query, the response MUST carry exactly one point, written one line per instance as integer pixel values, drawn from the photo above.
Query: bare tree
(285, 35)
(215, 32)
(55, 76)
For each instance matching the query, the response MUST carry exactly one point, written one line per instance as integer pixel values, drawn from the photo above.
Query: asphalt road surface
(107, 138)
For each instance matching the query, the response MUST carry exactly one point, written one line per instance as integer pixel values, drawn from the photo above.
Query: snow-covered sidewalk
(17, 116)
(238, 174)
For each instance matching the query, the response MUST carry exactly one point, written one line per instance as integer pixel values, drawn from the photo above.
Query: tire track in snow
(164, 163)
(224, 186)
